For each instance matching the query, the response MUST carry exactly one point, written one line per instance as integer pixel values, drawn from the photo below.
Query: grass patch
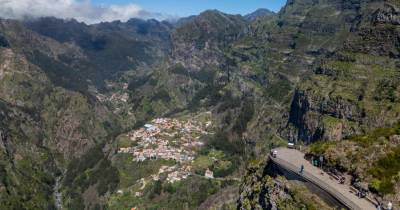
(215, 160)
(124, 141)
(321, 147)
(131, 171)
(187, 194)
(374, 136)
(330, 121)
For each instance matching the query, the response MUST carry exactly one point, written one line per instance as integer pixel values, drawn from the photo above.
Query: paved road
(293, 159)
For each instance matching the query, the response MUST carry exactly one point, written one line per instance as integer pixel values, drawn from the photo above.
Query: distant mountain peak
(211, 11)
(259, 13)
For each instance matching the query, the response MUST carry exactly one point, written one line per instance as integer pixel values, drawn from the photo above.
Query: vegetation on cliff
(372, 158)
(317, 70)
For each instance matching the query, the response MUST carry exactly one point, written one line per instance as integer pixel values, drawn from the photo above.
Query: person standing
(301, 169)
(390, 205)
(378, 207)
(321, 160)
(275, 153)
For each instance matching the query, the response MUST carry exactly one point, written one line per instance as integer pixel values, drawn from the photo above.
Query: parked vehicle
(274, 153)
(291, 145)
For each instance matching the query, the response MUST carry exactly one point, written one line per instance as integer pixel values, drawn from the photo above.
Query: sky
(184, 8)
(95, 11)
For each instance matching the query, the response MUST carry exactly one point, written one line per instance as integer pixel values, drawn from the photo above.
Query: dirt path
(57, 194)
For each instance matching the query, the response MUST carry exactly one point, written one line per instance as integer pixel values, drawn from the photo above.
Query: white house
(209, 174)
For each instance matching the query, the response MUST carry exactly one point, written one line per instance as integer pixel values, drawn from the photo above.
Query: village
(120, 96)
(168, 139)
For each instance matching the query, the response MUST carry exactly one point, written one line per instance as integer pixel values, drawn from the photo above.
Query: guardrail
(318, 182)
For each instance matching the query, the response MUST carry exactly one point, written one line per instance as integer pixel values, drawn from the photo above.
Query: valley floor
(168, 164)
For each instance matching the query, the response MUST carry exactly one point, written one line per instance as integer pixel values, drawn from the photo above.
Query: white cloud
(82, 10)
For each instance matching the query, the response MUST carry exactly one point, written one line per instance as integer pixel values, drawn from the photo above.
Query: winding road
(292, 160)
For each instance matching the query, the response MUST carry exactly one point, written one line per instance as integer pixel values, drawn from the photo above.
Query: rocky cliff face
(200, 42)
(317, 70)
(306, 113)
(262, 190)
(196, 70)
(389, 14)
(216, 55)
(350, 80)
(356, 88)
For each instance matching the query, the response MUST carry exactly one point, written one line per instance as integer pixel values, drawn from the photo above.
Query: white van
(291, 145)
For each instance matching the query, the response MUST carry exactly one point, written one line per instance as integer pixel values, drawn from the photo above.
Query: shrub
(367, 140)
(385, 171)
(321, 147)
(244, 117)
(80, 165)
(154, 190)
(386, 90)
(231, 147)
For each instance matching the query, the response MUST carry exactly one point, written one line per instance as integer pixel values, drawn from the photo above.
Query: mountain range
(323, 74)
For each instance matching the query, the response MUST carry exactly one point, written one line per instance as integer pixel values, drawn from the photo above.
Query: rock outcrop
(317, 70)
(390, 14)
(261, 190)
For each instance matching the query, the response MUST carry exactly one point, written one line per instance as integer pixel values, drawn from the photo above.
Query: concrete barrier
(316, 181)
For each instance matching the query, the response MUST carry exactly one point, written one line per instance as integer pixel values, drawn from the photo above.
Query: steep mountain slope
(204, 37)
(43, 126)
(195, 69)
(356, 88)
(74, 126)
(26, 177)
(262, 191)
(258, 14)
(107, 49)
(317, 70)
(279, 51)
(260, 64)
(350, 88)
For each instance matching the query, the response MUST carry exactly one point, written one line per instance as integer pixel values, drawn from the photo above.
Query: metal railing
(317, 181)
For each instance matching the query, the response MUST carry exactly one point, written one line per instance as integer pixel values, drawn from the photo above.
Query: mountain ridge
(317, 71)
(260, 13)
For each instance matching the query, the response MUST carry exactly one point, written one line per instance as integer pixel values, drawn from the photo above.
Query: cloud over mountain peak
(81, 10)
